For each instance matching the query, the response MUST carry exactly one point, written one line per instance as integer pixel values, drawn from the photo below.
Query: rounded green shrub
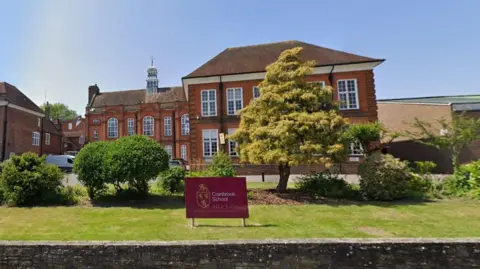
(172, 180)
(325, 184)
(136, 160)
(383, 177)
(92, 167)
(28, 180)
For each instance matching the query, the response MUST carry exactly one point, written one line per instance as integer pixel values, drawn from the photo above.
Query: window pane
(211, 95)
(351, 85)
(341, 86)
(229, 94)
(238, 94)
(204, 95)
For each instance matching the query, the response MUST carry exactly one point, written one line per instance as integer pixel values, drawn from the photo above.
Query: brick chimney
(92, 90)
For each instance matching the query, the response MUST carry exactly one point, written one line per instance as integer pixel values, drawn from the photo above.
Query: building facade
(397, 115)
(23, 126)
(74, 132)
(194, 120)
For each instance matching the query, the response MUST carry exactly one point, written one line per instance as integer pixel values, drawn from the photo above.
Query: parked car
(178, 163)
(64, 162)
(72, 153)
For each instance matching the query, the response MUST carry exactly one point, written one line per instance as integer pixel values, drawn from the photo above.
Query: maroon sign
(216, 197)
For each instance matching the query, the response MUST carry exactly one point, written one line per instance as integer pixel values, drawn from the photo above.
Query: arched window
(148, 126)
(185, 121)
(112, 125)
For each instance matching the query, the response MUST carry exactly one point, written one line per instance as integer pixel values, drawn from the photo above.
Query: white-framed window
(112, 128)
(36, 138)
(355, 149)
(148, 126)
(95, 134)
(183, 152)
(348, 94)
(70, 126)
(131, 126)
(47, 138)
(168, 149)
(321, 82)
(167, 126)
(256, 92)
(210, 142)
(209, 102)
(232, 145)
(234, 100)
(185, 124)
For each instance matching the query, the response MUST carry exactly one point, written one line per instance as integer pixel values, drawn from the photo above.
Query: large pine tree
(293, 122)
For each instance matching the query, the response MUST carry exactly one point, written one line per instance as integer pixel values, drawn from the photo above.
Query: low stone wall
(337, 254)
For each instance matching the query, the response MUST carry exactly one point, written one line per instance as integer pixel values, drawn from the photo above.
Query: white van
(64, 162)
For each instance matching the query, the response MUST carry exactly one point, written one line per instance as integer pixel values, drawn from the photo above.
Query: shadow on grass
(235, 226)
(151, 201)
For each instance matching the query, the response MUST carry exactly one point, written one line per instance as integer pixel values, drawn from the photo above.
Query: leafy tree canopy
(291, 121)
(59, 111)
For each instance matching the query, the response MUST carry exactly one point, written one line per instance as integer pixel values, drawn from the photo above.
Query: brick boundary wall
(337, 254)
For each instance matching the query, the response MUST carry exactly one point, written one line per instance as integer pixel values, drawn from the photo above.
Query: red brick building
(23, 126)
(74, 132)
(204, 110)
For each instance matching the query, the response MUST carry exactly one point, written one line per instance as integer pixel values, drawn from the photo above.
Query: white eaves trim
(261, 75)
(5, 103)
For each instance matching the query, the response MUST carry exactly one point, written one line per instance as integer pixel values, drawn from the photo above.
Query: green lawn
(167, 221)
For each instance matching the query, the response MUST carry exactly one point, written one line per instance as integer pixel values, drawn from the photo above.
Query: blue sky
(63, 46)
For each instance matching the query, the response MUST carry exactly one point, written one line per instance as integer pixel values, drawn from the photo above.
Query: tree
(371, 136)
(91, 167)
(454, 135)
(59, 111)
(136, 159)
(292, 122)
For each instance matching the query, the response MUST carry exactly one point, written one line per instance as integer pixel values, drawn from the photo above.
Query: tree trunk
(284, 170)
(455, 159)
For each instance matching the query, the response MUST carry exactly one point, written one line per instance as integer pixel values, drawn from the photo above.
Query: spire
(152, 80)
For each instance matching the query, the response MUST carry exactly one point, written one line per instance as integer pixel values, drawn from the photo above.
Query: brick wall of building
(20, 128)
(99, 120)
(366, 112)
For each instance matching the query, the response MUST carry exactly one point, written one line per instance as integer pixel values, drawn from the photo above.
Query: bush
(91, 167)
(171, 180)
(28, 180)
(71, 195)
(326, 184)
(136, 160)
(425, 167)
(465, 181)
(221, 165)
(383, 177)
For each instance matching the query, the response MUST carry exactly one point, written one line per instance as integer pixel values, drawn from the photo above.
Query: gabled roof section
(440, 100)
(49, 127)
(136, 97)
(10, 93)
(256, 58)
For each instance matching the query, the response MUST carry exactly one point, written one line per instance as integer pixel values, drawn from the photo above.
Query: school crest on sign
(203, 196)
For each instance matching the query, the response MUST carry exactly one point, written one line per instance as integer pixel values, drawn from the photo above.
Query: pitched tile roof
(49, 127)
(134, 97)
(454, 99)
(255, 58)
(11, 94)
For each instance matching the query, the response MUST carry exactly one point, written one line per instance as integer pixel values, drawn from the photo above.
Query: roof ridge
(266, 44)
